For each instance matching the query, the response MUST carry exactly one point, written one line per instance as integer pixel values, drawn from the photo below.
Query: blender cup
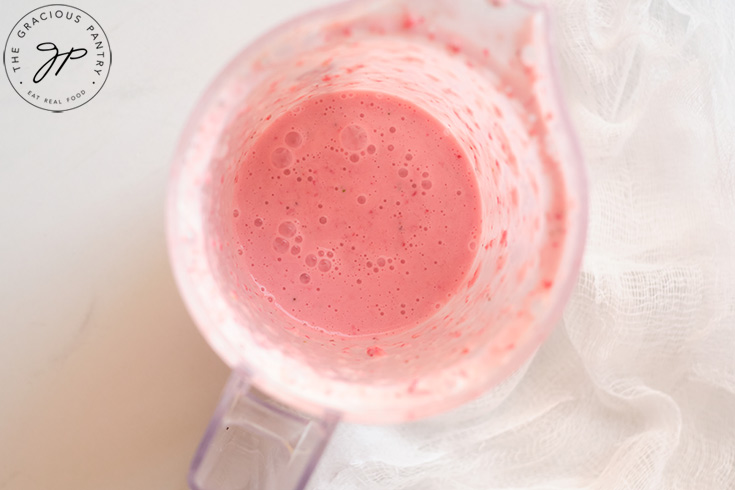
(484, 70)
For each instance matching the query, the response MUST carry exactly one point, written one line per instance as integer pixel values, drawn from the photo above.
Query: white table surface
(105, 383)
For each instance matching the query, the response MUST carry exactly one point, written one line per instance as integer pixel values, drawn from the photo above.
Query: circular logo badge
(57, 57)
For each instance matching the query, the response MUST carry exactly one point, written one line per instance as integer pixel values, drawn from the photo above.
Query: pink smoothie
(357, 213)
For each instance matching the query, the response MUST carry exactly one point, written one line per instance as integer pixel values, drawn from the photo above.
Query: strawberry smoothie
(380, 208)
(357, 212)
(377, 211)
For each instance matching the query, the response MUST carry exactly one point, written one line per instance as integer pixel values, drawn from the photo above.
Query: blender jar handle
(253, 442)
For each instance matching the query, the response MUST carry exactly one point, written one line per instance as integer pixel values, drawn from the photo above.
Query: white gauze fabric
(636, 387)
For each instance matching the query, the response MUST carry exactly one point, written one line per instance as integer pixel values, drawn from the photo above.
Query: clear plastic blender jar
(485, 71)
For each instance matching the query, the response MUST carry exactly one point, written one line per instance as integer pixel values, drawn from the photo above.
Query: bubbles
(392, 129)
(258, 222)
(325, 265)
(235, 213)
(353, 137)
(287, 229)
(426, 184)
(472, 245)
(311, 231)
(293, 139)
(281, 157)
(280, 245)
